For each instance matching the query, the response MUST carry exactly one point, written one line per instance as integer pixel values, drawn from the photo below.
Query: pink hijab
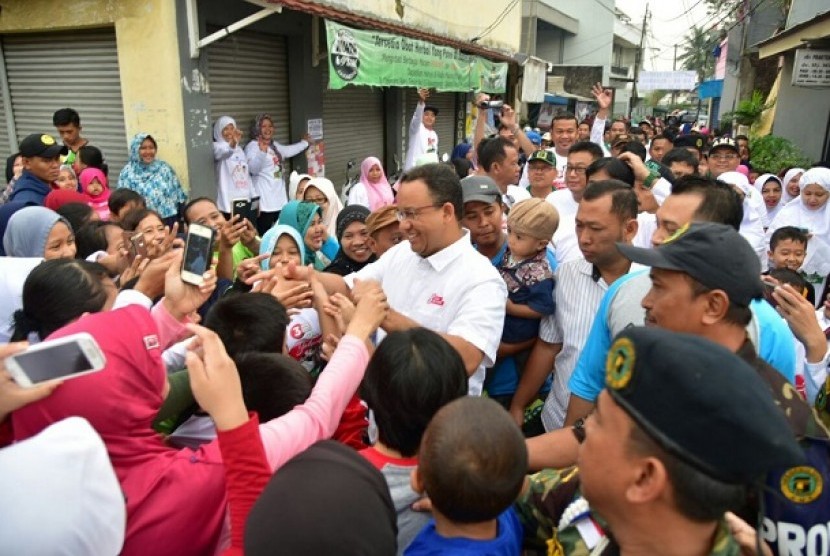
(175, 498)
(380, 193)
(86, 177)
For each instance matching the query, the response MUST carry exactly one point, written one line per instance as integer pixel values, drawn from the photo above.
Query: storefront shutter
(248, 75)
(353, 128)
(77, 69)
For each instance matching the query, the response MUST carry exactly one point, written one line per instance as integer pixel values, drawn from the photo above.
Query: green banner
(386, 60)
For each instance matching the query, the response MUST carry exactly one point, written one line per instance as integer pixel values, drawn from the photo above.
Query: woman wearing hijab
(373, 190)
(296, 185)
(306, 219)
(321, 191)
(769, 186)
(153, 179)
(39, 232)
(176, 502)
(353, 237)
(265, 162)
(231, 165)
(811, 212)
(790, 183)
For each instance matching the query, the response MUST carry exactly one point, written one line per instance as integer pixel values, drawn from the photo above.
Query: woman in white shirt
(265, 162)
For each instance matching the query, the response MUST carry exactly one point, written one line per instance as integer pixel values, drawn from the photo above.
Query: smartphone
(69, 357)
(139, 246)
(245, 208)
(198, 253)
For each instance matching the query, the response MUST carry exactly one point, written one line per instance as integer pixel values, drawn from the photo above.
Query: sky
(667, 27)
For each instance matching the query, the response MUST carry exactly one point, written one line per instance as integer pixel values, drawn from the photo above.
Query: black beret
(701, 403)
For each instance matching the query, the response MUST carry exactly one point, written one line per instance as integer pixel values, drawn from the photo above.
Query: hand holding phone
(63, 358)
(198, 253)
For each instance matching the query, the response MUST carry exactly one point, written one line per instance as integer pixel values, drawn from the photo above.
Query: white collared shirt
(579, 290)
(565, 243)
(455, 291)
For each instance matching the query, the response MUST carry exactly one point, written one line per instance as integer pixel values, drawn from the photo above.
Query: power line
(675, 18)
(495, 23)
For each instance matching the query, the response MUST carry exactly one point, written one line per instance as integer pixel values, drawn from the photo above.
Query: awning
(816, 28)
(366, 22)
(710, 89)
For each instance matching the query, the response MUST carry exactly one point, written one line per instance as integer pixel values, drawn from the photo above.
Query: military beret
(701, 403)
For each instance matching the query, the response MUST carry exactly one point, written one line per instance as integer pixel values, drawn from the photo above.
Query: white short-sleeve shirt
(456, 291)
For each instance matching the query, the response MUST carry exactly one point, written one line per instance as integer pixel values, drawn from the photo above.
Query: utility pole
(637, 60)
(674, 68)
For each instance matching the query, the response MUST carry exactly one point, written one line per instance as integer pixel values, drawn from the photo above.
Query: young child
(526, 270)
(411, 376)
(788, 248)
(96, 188)
(472, 465)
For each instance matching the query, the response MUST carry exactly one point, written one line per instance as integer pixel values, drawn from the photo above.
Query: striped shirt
(579, 290)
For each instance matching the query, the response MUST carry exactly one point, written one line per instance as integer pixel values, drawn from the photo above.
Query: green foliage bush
(771, 153)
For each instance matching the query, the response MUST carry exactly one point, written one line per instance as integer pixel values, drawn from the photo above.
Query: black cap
(713, 254)
(724, 143)
(432, 108)
(481, 189)
(41, 145)
(700, 402)
(692, 140)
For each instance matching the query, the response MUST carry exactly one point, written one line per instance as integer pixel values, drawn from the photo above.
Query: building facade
(171, 67)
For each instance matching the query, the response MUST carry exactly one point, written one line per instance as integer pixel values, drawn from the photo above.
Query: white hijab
(221, 124)
(795, 213)
(334, 205)
(759, 185)
(791, 173)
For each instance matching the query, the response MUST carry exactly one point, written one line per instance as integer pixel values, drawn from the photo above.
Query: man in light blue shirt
(691, 200)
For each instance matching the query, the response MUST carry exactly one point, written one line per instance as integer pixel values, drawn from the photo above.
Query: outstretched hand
(214, 379)
(12, 395)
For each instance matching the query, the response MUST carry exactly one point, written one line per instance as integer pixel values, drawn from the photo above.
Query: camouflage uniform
(540, 510)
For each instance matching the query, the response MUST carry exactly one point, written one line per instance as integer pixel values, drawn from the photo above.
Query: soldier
(658, 479)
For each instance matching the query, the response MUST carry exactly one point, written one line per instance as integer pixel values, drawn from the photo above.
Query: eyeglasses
(727, 156)
(578, 169)
(413, 213)
(318, 201)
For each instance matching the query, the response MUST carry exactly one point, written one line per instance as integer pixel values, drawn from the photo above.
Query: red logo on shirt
(297, 331)
(436, 299)
(151, 342)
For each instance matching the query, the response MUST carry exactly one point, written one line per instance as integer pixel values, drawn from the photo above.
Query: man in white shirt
(563, 131)
(566, 201)
(435, 278)
(499, 159)
(607, 214)
(422, 136)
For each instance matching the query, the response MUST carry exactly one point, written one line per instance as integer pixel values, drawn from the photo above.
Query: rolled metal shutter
(444, 123)
(77, 69)
(248, 75)
(353, 128)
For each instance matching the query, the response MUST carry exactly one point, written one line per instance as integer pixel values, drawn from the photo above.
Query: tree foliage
(697, 53)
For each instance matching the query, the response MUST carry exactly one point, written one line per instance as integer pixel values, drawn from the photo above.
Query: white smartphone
(68, 357)
(198, 253)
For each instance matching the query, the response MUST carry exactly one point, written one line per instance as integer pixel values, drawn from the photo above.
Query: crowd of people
(601, 339)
